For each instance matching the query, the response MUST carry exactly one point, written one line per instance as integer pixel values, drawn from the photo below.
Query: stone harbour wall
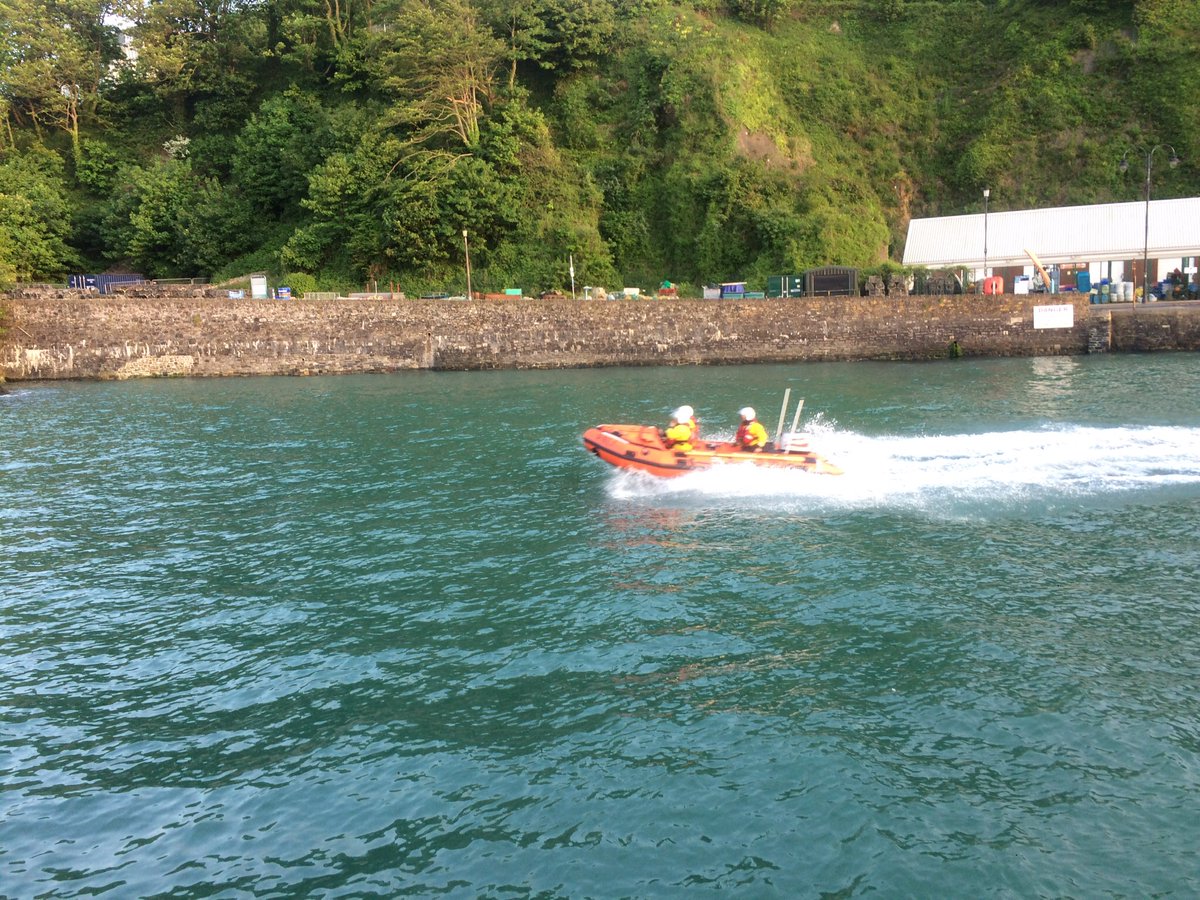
(68, 336)
(1156, 326)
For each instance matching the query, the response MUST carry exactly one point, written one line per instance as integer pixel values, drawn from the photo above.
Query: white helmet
(684, 413)
(747, 413)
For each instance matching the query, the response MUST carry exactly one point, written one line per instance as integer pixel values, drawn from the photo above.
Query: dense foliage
(341, 141)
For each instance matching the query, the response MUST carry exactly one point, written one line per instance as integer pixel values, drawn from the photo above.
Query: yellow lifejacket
(752, 435)
(679, 437)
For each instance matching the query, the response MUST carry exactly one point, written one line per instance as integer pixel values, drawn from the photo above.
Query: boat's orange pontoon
(642, 447)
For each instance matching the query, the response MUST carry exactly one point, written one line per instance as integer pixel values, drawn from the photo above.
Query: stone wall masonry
(125, 337)
(1156, 326)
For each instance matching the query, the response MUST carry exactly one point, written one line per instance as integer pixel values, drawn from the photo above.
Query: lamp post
(1124, 167)
(987, 192)
(467, 253)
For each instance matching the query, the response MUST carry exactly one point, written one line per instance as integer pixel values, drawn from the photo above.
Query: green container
(785, 286)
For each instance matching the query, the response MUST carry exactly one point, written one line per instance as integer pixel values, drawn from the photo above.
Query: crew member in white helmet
(687, 414)
(750, 434)
(682, 430)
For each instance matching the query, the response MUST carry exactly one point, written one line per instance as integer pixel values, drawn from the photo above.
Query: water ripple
(295, 637)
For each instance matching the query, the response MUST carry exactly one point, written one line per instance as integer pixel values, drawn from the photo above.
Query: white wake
(1007, 468)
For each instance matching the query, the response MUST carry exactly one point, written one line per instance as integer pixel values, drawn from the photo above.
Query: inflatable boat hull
(641, 447)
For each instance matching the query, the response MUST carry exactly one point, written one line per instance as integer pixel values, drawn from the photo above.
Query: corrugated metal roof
(1108, 231)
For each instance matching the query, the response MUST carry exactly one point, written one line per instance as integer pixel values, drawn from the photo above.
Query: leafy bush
(301, 283)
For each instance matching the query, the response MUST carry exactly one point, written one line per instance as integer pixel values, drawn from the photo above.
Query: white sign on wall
(1061, 315)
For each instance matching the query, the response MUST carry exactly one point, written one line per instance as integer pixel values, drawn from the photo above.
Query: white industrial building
(1108, 241)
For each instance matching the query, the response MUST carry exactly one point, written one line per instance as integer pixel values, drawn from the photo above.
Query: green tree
(375, 209)
(97, 167)
(191, 51)
(34, 216)
(521, 24)
(53, 58)
(286, 139)
(578, 31)
(437, 62)
(163, 192)
(349, 214)
(217, 225)
(320, 34)
(166, 222)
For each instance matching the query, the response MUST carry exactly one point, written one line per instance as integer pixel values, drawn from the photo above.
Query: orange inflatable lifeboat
(642, 447)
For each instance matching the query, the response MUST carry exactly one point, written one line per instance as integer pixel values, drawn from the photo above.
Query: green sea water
(402, 636)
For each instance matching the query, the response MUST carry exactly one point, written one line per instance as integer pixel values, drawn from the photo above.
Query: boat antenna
(787, 396)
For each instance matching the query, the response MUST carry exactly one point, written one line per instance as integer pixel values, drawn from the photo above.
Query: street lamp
(987, 192)
(467, 253)
(1124, 167)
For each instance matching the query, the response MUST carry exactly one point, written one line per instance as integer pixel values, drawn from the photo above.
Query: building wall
(64, 336)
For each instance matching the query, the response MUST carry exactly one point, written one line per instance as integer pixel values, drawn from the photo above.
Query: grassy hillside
(817, 141)
(646, 140)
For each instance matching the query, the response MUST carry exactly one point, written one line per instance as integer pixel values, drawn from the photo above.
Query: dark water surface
(401, 635)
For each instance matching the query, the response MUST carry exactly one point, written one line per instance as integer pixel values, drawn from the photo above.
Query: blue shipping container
(102, 283)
